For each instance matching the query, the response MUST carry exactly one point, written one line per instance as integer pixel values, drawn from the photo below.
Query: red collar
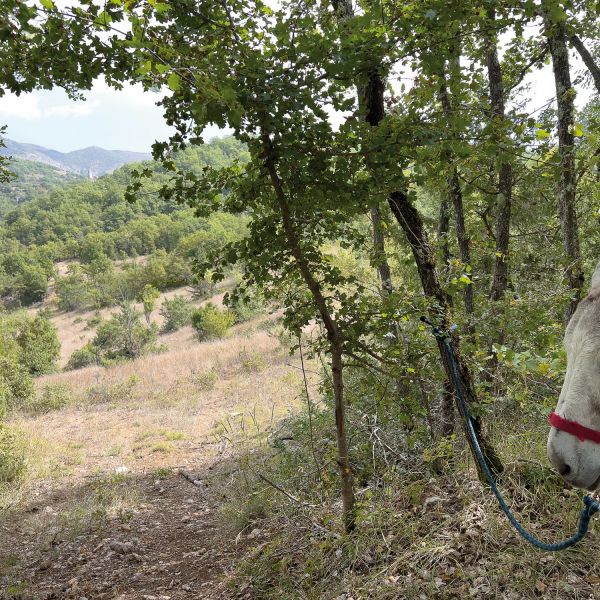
(579, 431)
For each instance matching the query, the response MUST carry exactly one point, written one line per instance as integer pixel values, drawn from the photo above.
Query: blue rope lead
(590, 505)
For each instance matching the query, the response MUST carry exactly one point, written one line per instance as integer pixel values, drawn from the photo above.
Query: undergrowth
(419, 534)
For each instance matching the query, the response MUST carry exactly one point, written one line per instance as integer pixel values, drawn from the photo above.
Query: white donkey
(574, 440)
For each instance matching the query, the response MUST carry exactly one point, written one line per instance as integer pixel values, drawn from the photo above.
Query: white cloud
(26, 107)
(74, 109)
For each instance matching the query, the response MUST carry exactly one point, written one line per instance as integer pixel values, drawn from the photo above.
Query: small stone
(254, 533)
(186, 587)
(121, 547)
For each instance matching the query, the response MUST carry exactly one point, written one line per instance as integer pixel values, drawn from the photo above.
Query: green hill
(91, 222)
(31, 180)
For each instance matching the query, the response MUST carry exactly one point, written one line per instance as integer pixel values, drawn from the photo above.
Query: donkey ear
(596, 276)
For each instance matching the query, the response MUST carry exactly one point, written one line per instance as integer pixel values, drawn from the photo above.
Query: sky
(125, 119)
(129, 119)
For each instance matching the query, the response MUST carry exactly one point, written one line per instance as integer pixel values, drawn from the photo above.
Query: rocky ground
(170, 546)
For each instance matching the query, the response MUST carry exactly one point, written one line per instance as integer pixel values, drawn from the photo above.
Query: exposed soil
(170, 547)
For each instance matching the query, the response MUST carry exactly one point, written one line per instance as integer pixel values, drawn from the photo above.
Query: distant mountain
(88, 161)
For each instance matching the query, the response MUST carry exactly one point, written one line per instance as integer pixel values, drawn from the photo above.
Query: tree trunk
(383, 267)
(456, 197)
(443, 231)
(505, 177)
(464, 243)
(410, 221)
(334, 336)
(567, 185)
(587, 58)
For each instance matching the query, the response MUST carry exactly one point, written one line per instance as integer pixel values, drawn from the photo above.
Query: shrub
(124, 336)
(16, 385)
(212, 323)
(40, 346)
(93, 321)
(203, 289)
(246, 307)
(88, 355)
(52, 397)
(72, 290)
(177, 313)
(115, 393)
(13, 463)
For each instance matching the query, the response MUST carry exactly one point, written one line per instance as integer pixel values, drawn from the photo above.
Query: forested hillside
(302, 357)
(31, 180)
(92, 223)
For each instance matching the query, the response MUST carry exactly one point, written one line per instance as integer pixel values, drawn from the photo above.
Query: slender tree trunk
(464, 242)
(505, 177)
(334, 335)
(443, 232)
(567, 185)
(456, 197)
(410, 221)
(445, 402)
(587, 58)
(383, 267)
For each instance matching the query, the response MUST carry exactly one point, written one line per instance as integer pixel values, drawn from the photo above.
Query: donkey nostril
(564, 470)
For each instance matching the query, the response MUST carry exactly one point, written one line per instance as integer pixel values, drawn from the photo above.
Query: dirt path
(170, 546)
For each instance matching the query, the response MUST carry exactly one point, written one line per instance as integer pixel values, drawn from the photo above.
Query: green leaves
(541, 134)
(48, 4)
(174, 82)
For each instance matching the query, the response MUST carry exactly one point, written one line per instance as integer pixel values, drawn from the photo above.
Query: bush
(40, 346)
(247, 307)
(115, 393)
(16, 385)
(88, 355)
(53, 397)
(176, 312)
(124, 336)
(12, 457)
(212, 323)
(72, 290)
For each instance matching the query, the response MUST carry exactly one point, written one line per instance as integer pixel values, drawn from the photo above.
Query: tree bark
(587, 58)
(410, 221)
(383, 267)
(456, 197)
(505, 176)
(443, 231)
(334, 335)
(567, 185)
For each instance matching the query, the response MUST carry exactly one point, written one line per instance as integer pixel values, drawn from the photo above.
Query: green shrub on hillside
(39, 345)
(246, 307)
(177, 313)
(72, 290)
(53, 396)
(16, 385)
(124, 336)
(84, 357)
(211, 322)
(13, 463)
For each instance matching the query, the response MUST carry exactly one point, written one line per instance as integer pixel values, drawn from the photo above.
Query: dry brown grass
(178, 399)
(72, 327)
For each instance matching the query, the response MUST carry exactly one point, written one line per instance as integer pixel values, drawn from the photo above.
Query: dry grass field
(124, 453)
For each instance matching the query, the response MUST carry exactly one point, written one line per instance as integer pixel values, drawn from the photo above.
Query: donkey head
(576, 459)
